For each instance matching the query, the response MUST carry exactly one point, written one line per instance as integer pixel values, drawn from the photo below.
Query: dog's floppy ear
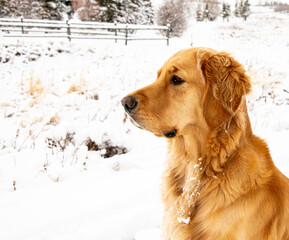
(226, 83)
(224, 106)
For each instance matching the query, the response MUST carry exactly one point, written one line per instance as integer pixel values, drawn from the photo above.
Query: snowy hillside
(72, 167)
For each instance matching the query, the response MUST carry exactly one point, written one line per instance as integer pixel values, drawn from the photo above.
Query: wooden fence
(31, 28)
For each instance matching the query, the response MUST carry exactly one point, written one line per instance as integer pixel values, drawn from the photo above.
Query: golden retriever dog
(220, 182)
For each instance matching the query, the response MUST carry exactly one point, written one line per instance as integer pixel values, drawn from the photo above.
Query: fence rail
(31, 28)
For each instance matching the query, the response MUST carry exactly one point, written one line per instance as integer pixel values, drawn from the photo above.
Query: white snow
(57, 95)
(184, 220)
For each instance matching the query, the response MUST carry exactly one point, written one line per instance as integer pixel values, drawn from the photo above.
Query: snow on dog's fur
(220, 181)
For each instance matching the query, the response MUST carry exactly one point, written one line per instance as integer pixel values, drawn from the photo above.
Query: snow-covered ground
(58, 100)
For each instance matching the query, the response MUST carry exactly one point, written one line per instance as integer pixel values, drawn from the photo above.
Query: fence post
(22, 27)
(115, 31)
(126, 33)
(168, 34)
(68, 30)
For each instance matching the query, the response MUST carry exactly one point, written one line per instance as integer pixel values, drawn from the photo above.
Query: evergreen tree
(245, 10)
(207, 13)
(9, 8)
(123, 11)
(242, 9)
(199, 14)
(138, 11)
(25, 8)
(36, 8)
(237, 10)
(113, 11)
(132, 12)
(147, 12)
(128, 11)
(39, 9)
(226, 11)
(241, 6)
(54, 9)
(4, 9)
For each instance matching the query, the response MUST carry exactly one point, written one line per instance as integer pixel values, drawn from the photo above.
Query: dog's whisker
(156, 125)
(139, 125)
(158, 116)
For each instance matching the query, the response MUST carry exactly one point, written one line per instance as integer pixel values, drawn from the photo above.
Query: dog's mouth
(138, 123)
(135, 123)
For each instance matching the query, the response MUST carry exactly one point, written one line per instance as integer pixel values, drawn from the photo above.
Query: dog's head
(195, 87)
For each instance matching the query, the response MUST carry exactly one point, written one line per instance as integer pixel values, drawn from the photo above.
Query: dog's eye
(177, 80)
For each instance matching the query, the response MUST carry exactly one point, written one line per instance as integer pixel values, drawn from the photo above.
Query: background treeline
(177, 13)
(123, 11)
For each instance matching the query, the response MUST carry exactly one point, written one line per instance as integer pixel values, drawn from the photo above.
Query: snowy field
(72, 168)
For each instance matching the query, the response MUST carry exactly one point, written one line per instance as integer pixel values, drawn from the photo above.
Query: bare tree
(173, 12)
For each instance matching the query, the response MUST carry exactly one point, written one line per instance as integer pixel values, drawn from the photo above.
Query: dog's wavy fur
(220, 182)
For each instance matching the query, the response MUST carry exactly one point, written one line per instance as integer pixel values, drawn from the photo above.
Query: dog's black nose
(129, 103)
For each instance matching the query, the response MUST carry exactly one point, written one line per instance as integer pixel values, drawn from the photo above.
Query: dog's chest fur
(195, 202)
(200, 207)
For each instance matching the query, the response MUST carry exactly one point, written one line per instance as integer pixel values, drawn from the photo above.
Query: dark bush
(107, 148)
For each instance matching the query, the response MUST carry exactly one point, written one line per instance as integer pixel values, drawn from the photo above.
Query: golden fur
(220, 182)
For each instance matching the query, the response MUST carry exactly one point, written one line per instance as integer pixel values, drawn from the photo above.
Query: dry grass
(28, 122)
(78, 87)
(35, 86)
(54, 120)
(36, 90)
